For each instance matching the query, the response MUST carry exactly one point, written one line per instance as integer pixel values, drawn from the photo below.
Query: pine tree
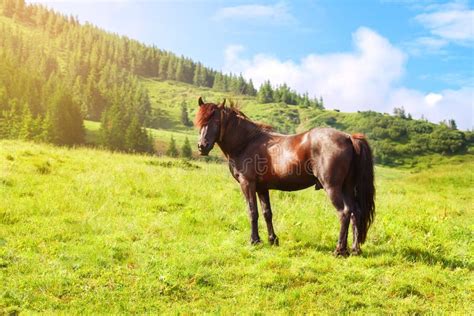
(306, 102)
(66, 119)
(163, 67)
(9, 8)
(218, 82)
(47, 130)
(77, 95)
(197, 75)
(265, 93)
(241, 85)
(452, 124)
(251, 89)
(203, 78)
(224, 83)
(137, 138)
(180, 71)
(186, 151)
(28, 125)
(184, 114)
(399, 112)
(113, 125)
(133, 135)
(172, 150)
(19, 14)
(171, 71)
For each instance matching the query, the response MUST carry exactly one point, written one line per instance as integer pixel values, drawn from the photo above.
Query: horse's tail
(364, 185)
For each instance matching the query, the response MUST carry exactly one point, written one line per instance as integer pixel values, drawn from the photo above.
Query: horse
(261, 160)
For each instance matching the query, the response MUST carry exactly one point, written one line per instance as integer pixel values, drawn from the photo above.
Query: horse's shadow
(409, 254)
(418, 255)
(426, 257)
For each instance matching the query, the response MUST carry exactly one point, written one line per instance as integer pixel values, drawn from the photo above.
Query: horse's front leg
(248, 188)
(264, 198)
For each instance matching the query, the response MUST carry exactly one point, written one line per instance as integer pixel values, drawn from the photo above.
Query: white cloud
(452, 22)
(360, 78)
(276, 13)
(446, 104)
(365, 78)
(426, 44)
(232, 53)
(432, 42)
(432, 98)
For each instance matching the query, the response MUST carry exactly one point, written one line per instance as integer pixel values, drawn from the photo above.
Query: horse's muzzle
(204, 150)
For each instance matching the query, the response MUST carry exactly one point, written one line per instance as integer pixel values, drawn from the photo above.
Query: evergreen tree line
(45, 95)
(92, 48)
(34, 109)
(284, 94)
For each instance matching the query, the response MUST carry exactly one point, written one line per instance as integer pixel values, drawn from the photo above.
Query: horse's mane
(203, 115)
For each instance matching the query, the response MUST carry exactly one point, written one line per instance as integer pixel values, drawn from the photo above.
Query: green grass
(89, 231)
(92, 132)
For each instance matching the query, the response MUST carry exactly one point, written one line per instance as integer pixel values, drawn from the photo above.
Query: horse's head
(209, 119)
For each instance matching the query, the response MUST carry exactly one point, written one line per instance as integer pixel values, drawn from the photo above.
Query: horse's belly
(290, 182)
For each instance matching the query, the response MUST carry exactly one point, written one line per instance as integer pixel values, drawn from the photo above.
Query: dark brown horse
(261, 160)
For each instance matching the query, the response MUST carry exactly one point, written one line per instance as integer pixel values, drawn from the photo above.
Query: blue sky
(358, 55)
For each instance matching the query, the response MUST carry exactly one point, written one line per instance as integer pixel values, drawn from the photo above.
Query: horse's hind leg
(350, 203)
(337, 199)
(264, 198)
(355, 250)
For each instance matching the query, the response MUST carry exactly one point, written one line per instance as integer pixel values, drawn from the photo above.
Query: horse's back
(322, 135)
(328, 133)
(332, 154)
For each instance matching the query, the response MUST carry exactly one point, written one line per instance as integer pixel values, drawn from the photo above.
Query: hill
(56, 73)
(90, 231)
(396, 140)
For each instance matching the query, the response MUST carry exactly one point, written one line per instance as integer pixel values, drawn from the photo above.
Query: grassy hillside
(396, 140)
(90, 231)
(168, 95)
(67, 71)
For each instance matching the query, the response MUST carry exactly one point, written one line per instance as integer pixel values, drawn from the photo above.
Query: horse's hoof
(341, 253)
(356, 251)
(274, 241)
(255, 242)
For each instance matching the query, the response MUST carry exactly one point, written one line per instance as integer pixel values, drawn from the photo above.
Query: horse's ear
(223, 102)
(200, 101)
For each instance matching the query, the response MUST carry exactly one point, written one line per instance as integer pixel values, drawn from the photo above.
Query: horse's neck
(239, 133)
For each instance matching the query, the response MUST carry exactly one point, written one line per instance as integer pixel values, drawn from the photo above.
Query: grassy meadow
(90, 231)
